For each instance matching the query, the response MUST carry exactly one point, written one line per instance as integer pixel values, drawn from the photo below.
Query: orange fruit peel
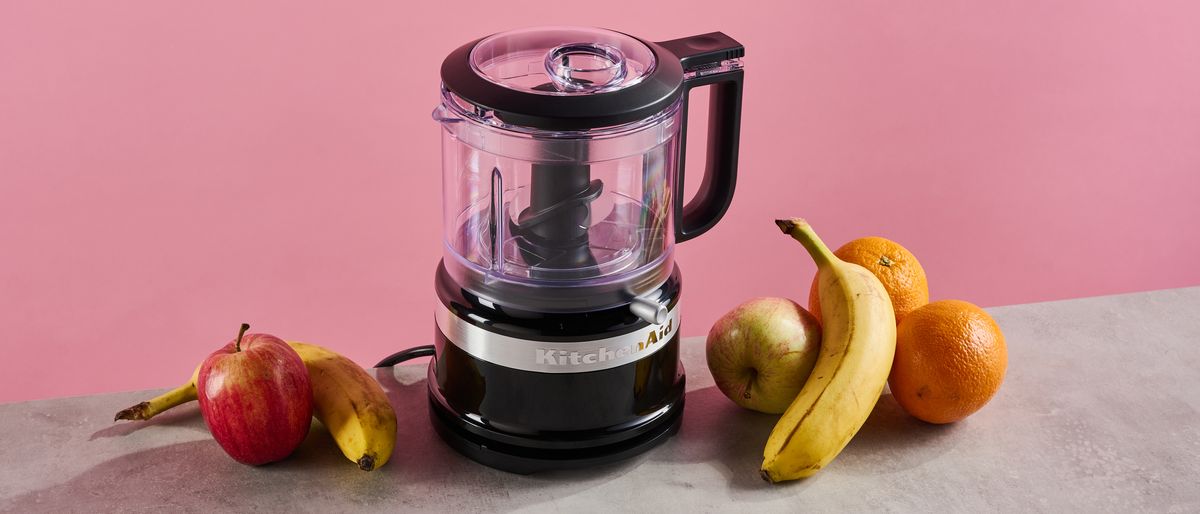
(950, 360)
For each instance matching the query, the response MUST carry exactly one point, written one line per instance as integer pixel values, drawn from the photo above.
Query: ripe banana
(148, 409)
(857, 345)
(346, 400)
(352, 405)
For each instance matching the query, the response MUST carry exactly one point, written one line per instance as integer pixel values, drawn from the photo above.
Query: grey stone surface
(1098, 413)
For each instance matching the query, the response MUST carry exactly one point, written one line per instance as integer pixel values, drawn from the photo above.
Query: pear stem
(237, 346)
(801, 231)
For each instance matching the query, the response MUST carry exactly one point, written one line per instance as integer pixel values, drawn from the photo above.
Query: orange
(898, 269)
(950, 360)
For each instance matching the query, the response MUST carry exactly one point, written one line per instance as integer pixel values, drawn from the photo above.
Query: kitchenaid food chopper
(557, 338)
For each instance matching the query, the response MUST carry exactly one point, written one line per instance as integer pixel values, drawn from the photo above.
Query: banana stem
(801, 231)
(173, 398)
(146, 410)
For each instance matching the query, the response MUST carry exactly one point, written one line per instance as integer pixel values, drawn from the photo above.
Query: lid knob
(585, 66)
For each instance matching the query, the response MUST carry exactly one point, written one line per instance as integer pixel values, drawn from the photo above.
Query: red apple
(761, 353)
(255, 397)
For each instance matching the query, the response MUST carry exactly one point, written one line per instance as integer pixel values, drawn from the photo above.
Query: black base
(524, 461)
(524, 421)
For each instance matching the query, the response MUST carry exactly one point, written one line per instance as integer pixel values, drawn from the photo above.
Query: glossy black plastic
(653, 94)
(554, 228)
(552, 420)
(525, 460)
(724, 133)
(704, 50)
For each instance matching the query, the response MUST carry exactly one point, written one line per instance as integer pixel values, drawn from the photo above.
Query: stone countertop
(1099, 411)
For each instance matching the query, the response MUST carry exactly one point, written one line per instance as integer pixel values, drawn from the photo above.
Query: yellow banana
(352, 405)
(347, 400)
(155, 406)
(857, 345)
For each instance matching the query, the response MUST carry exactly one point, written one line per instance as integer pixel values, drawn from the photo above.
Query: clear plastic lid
(562, 60)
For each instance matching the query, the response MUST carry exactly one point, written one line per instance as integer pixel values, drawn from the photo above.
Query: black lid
(565, 78)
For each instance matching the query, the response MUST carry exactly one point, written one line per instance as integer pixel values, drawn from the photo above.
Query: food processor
(557, 330)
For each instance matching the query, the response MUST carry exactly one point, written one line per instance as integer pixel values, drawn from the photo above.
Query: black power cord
(403, 355)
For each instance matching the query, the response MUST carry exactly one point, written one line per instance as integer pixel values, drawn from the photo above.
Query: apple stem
(238, 345)
(749, 383)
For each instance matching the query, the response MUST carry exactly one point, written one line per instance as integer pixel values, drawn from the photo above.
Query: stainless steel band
(553, 357)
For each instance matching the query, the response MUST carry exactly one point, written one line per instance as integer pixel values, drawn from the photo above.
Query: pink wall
(170, 169)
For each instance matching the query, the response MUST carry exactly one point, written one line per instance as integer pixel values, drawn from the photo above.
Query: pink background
(170, 169)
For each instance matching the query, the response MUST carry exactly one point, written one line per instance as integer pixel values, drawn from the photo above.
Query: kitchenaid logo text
(656, 336)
